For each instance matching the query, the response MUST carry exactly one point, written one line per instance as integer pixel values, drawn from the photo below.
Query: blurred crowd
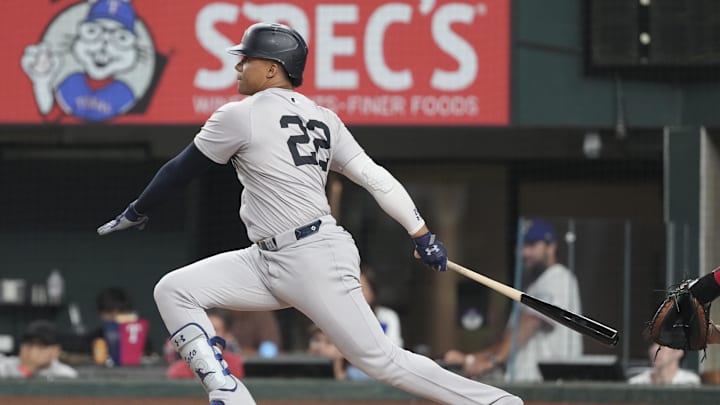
(121, 338)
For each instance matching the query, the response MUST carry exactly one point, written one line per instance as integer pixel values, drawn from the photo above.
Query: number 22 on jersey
(320, 142)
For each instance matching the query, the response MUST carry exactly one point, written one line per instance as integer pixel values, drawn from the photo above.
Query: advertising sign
(374, 62)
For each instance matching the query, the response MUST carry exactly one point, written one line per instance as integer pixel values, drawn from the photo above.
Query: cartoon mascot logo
(95, 61)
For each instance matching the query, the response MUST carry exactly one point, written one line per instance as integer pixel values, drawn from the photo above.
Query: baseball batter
(282, 145)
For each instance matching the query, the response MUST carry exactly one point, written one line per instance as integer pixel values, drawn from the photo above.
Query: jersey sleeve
(386, 189)
(226, 131)
(345, 147)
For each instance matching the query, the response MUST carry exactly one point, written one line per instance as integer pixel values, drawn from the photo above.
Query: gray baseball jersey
(281, 160)
(282, 145)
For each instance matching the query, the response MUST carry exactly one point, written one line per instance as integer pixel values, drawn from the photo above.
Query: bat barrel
(583, 325)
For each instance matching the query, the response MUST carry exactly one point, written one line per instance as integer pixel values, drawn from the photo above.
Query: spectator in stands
(38, 356)
(388, 318)
(113, 303)
(257, 333)
(665, 368)
(222, 322)
(320, 345)
(122, 334)
(537, 337)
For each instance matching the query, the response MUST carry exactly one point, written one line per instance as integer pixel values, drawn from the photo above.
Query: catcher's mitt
(682, 321)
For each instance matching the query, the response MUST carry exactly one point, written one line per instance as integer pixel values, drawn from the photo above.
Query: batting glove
(128, 219)
(431, 251)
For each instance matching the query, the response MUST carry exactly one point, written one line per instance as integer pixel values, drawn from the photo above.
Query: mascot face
(96, 60)
(106, 43)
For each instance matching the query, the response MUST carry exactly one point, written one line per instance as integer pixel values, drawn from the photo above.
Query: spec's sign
(410, 62)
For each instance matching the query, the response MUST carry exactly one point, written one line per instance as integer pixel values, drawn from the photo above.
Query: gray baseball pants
(319, 276)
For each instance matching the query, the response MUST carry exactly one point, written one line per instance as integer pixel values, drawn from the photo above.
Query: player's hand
(431, 251)
(128, 219)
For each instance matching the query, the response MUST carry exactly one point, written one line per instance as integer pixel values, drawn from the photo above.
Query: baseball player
(282, 145)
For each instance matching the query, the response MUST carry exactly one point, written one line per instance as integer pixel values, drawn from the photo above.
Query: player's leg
(322, 281)
(227, 280)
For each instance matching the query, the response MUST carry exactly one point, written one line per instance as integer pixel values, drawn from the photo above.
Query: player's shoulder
(328, 112)
(233, 106)
(276, 97)
(275, 94)
(233, 111)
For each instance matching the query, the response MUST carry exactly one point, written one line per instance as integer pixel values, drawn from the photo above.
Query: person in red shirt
(221, 322)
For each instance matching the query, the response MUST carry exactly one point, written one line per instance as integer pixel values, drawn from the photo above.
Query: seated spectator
(537, 337)
(665, 368)
(221, 322)
(320, 345)
(38, 356)
(256, 332)
(388, 318)
(122, 333)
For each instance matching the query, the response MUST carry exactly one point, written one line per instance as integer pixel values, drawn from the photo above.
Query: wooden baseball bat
(586, 326)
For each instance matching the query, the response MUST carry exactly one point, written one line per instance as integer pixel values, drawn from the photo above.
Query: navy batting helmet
(275, 42)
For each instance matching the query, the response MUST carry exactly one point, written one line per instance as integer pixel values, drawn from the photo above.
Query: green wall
(134, 261)
(551, 88)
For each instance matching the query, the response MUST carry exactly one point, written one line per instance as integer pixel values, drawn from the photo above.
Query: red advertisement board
(404, 62)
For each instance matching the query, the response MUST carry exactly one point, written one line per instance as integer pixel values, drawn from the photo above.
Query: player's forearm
(399, 206)
(707, 287)
(387, 191)
(171, 177)
(420, 232)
